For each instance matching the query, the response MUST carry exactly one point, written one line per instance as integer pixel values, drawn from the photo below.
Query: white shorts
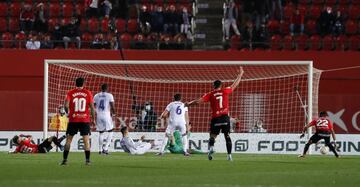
(171, 128)
(104, 123)
(141, 148)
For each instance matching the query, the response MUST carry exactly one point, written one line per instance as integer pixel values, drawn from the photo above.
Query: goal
(279, 95)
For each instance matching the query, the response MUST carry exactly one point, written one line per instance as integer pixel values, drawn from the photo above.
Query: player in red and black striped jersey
(324, 128)
(79, 103)
(219, 102)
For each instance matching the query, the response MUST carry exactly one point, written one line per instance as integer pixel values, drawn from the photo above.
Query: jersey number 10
(79, 104)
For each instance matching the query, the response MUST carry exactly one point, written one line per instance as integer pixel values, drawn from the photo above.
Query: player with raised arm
(104, 105)
(24, 145)
(177, 117)
(134, 148)
(219, 102)
(79, 103)
(324, 128)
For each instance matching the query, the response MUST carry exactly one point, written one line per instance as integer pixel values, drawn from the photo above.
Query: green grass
(119, 169)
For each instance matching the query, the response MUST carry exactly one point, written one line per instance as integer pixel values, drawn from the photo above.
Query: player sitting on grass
(324, 128)
(129, 146)
(24, 145)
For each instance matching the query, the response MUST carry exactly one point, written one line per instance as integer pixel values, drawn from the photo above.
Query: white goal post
(261, 78)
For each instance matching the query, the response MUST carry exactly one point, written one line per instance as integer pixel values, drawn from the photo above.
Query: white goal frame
(132, 62)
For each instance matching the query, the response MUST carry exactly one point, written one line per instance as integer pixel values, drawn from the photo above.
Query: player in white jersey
(104, 105)
(134, 148)
(177, 117)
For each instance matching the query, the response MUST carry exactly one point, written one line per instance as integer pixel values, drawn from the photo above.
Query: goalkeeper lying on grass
(175, 145)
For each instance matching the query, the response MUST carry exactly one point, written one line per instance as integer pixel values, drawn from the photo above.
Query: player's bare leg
(87, 149)
(66, 149)
(228, 145)
(211, 145)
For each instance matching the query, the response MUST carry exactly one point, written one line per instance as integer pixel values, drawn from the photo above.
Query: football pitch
(120, 169)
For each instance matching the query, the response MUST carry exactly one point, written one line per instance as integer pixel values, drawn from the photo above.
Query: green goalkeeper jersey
(177, 148)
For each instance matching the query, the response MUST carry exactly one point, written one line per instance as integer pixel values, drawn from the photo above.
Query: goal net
(273, 95)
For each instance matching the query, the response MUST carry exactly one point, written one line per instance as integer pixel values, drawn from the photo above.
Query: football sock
(65, 154)
(108, 140)
(56, 142)
(61, 138)
(228, 144)
(211, 141)
(185, 143)
(332, 148)
(87, 155)
(101, 141)
(164, 144)
(306, 148)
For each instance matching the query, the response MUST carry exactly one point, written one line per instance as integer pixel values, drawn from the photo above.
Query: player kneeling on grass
(175, 145)
(177, 118)
(129, 146)
(24, 145)
(324, 128)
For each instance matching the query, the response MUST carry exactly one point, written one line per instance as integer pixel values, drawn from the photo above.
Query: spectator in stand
(46, 43)
(171, 25)
(166, 43)
(339, 27)
(230, 16)
(262, 37)
(57, 34)
(326, 21)
(113, 41)
(27, 18)
(92, 9)
(248, 35)
(99, 42)
(41, 24)
(144, 21)
(179, 42)
(140, 42)
(185, 21)
(33, 43)
(72, 33)
(158, 20)
(297, 22)
(106, 7)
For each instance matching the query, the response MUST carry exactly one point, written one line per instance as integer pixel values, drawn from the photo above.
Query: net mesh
(268, 94)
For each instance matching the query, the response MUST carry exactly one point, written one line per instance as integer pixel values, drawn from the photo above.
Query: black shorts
(45, 146)
(318, 136)
(220, 123)
(75, 127)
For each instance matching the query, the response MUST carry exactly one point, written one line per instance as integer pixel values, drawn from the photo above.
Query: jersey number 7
(220, 98)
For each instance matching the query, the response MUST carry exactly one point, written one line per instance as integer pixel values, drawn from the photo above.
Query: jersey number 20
(79, 104)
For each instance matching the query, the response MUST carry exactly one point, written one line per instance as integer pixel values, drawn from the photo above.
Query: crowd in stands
(292, 24)
(98, 24)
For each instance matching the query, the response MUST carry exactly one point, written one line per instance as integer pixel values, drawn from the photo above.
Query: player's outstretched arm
(238, 79)
(194, 102)
(304, 130)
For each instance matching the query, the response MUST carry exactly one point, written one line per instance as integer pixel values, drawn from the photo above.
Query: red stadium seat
(159, 2)
(355, 2)
(125, 39)
(14, 24)
(83, 25)
(328, 43)
(350, 27)
(15, 9)
(285, 27)
(133, 12)
(7, 40)
(105, 25)
(311, 27)
(354, 42)
(120, 25)
(354, 12)
(20, 40)
(288, 43)
(80, 9)
(301, 42)
(315, 12)
(314, 42)
(288, 11)
(3, 25)
(93, 25)
(3, 9)
(54, 10)
(67, 9)
(302, 9)
(330, 2)
(343, 2)
(341, 43)
(317, 2)
(273, 26)
(275, 42)
(235, 42)
(132, 26)
(86, 39)
(52, 22)
(303, 2)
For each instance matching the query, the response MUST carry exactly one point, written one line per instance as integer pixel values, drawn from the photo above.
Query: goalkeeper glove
(302, 135)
